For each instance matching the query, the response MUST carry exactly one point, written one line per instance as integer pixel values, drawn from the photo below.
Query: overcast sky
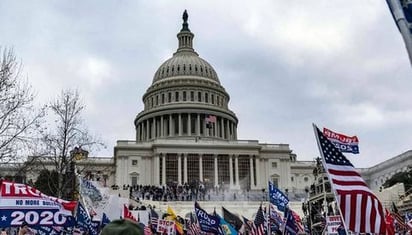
(286, 64)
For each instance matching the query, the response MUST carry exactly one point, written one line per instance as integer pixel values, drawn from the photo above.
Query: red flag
(361, 209)
(128, 215)
(389, 220)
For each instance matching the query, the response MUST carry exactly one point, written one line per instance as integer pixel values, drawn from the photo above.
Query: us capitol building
(187, 133)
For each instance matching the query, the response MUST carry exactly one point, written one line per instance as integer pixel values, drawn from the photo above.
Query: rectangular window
(184, 95)
(199, 96)
(192, 96)
(134, 162)
(274, 165)
(177, 96)
(169, 97)
(163, 98)
(212, 97)
(206, 98)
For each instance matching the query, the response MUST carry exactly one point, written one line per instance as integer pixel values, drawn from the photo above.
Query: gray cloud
(286, 64)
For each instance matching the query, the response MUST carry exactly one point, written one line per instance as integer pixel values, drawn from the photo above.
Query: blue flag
(83, 220)
(291, 228)
(226, 228)
(47, 230)
(105, 220)
(277, 197)
(207, 222)
(88, 189)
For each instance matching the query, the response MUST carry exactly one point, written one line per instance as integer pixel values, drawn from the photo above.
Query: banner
(20, 202)
(83, 220)
(277, 197)
(346, 144)
(165, 226)
(208, 223)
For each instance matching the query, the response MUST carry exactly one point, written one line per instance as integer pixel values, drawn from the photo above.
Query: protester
(122, 227)
(25, 229)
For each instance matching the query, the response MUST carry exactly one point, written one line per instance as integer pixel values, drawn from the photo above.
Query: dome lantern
(185, 36)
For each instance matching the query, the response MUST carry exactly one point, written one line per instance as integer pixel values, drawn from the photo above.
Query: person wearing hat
(122, 227)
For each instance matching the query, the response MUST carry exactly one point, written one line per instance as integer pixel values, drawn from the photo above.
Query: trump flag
(22, 203)
(361, 209)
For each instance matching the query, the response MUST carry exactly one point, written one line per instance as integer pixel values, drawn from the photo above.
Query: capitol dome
(185, 61)
(186, 99)
(185, 64)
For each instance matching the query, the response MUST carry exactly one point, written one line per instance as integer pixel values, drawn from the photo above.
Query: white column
(205, 129)
(189, 125)
(185, 167)
(230, 172)
(216, 170)
(201, 167)
(164, 169)
(147, 129)
(198, 125)
(179, 169)
(222, 128)
(180, 124)
(171, 129)
(252, 178)
(227, 129)
(156, 169)
(154, 128)
(162, 131)
(237, 170)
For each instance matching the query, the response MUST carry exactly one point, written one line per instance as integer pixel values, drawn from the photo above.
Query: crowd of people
(190, 192)
(170, 192)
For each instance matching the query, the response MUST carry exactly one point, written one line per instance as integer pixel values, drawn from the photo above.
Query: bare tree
(19, 119)
(65, 138)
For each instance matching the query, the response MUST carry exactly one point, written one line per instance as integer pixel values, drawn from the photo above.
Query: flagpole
(400, 20)
(330, 180)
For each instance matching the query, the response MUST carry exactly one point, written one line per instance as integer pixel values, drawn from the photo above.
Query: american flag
(361, 209)
(210, 118)
(248, 224)
(193, 228)
(400, 223)
(291, 227)
(259, 228)
(298, 220)
(128, 215)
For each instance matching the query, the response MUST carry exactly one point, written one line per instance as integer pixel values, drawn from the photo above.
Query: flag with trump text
(277, 197)
(208, 223)
(83, 221)
(361, 209)
(346, 144)
(22, 203)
